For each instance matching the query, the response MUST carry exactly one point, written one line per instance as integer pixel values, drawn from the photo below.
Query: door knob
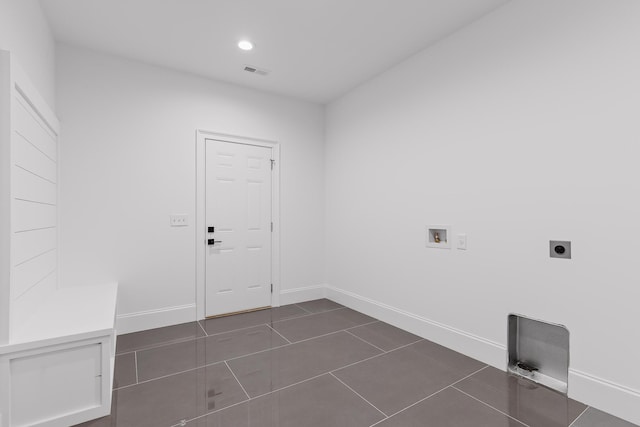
(212, 242)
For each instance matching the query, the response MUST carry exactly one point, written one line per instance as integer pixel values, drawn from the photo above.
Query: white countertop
(71, 313)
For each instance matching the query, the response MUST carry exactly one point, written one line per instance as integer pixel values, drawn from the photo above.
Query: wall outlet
(560, 249)
(178, 220)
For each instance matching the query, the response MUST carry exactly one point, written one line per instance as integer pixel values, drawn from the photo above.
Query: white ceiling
(316, 49)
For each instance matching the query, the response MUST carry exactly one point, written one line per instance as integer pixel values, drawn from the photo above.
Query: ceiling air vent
(256, 70)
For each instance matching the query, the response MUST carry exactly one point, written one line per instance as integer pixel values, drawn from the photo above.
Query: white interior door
(238, 219)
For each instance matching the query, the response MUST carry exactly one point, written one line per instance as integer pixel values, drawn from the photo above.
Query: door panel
(238, 206)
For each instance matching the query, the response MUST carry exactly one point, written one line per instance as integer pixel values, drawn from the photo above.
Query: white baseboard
(307, 293)
(605, 395)
(479, 348)
(151, 319)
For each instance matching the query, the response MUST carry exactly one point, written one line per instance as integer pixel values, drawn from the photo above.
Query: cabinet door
(59, 382)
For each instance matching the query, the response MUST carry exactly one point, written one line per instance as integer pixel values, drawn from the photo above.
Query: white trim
(14, 84)
(151, 319)
(201, 137)
(605, 395)
(487, 351)
(5, 201)
(302, 294)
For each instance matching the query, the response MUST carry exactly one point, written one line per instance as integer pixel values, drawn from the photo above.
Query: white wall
(128, 159)
(521, 128)
(25, 32)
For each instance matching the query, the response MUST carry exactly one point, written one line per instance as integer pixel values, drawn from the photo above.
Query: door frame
(201, 235)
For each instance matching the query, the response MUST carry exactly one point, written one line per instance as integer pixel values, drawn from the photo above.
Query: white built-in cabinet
(57, 344)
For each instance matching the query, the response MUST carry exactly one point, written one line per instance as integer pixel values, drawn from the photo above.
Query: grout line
(160, 345)
(253, 398)
(294, 384)
(285, 345)
(359, 395)
(257, 352)
(283, 337)
(578, 417)
(355, 363)
(470, 375)
(302, 308)
(292, 317)
(364, 341)
(169, 375)
(211, 413)
(334, 309)
(262, 351)
(233, 330)
(208, 364)
(310, 314)
(405, 345)
(135, 361)
(486, 404)
(276, 348)
(234, 376)
(431, 395)
(203, 329)
(410, 406)
(374, 356)
(179, 341)
(183, 340)
(365, 324)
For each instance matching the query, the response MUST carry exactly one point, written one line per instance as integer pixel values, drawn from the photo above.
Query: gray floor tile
(165, 402)
(271, 370)
(125, 370)
(450, 408)
(159, 336)
(319, 305)
(319, 324)
(595, 418)
(524, 400)
(384, 336)
(170, 359)
(395, 380)
(254, 318)
(321, 402)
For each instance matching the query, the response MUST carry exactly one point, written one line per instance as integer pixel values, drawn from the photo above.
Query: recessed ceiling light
(245, 45)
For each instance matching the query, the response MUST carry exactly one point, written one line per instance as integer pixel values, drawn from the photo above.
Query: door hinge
(272, 227)
(273, 162)
(272, 288)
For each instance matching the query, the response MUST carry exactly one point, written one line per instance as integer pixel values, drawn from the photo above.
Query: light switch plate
(178, 220)
(462, 241)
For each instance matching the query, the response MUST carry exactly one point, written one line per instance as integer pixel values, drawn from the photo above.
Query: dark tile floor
(319, 364)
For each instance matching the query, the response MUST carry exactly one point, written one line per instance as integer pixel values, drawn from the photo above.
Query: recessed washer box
(539, 351)
(439, 236)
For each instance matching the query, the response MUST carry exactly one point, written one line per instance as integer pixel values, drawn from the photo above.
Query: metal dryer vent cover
(256, 70)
